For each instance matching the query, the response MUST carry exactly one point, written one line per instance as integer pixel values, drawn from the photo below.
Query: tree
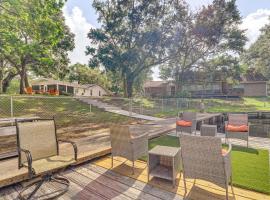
(258, 54)
(85, 75)
(34, 36)
(133, 37)
(212, 33)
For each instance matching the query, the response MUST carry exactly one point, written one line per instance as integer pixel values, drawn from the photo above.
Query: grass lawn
(250, 167)
(67, 111)
(222, 105)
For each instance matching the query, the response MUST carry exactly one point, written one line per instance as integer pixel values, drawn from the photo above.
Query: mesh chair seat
(51, 163)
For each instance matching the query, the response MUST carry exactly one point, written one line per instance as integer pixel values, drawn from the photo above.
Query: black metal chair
(38, 150)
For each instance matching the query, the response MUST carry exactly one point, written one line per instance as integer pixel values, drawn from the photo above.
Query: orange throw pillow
(184, 123)
(237, 128)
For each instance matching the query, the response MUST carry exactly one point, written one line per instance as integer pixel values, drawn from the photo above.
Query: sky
(81, 16)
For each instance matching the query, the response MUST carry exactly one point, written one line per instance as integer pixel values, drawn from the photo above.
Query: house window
(91, 92)
(99, 93)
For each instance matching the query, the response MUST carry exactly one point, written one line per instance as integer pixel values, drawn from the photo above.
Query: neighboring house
(254, 84)
(250, 84)
(42, 86)
(159, 88)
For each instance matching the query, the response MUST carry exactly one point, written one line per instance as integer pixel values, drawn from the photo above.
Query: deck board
(203, 189)
(95, 184)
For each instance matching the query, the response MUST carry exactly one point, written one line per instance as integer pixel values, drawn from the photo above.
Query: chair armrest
(143, 136)
(227, 161)
(229, 151)
(139, 146)
(194, 125)
(73, 145)
(29, 161)
(179, 114)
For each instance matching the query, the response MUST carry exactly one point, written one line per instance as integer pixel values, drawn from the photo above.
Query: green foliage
(133, 37)
(85, 75)
(183, 94)
(207, 40)
(34, 37)
(257, 56)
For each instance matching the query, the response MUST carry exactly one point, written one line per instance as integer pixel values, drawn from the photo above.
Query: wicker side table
(164, 162)
(208, 130)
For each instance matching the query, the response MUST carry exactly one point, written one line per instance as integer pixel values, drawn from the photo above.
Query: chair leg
(133, 172)
(227, 195)
(47, 178)
(185, 185)
(38, 185)
(112, 160)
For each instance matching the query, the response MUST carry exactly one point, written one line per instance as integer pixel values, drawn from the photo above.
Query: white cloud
(80, 27)
(253, 23)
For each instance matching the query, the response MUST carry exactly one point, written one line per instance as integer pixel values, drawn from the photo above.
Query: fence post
(162, 105)
(90, 107)
(11, 106)
(130, 107)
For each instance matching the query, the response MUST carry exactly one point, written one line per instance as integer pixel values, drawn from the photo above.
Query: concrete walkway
(117, 110)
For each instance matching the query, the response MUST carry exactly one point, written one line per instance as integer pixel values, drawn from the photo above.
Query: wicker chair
(202, 158)
(38, 150)
(124, 145)
(187, 116)
(237, 119)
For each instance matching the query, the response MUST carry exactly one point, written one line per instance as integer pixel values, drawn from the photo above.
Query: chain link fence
(77, 118)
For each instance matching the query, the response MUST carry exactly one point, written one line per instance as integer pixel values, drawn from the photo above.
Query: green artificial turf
(250, 167)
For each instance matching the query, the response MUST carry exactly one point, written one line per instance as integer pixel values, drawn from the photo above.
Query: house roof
(45, 81)
(149, 84)
(252, 76)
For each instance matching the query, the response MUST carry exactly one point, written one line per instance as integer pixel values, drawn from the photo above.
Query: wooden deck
(200, 190)
(97, 180)
(98, 144)
(89, 181)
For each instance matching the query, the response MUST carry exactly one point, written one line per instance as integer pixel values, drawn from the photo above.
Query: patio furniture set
(199, 157)
(38, 151)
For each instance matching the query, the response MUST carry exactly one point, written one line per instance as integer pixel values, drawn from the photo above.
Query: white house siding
(97, 91)
(94, 91)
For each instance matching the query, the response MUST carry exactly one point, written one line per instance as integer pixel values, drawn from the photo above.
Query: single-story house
(42, 86)
(249, 84)
(254, 84)
(159, 88)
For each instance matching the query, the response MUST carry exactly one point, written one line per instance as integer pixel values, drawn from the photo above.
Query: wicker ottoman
(208, 130)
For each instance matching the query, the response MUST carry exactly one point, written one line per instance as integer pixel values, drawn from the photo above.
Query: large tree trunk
(6, 81)
(125, 87)
(1, 75)
(129, 88)
(179, 83)
(22, 79)
(1, 84)
(26, 81)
